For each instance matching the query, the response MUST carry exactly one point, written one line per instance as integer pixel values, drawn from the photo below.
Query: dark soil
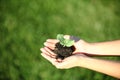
(63, 52)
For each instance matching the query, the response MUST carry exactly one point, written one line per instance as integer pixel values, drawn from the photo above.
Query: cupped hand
(69, 62)
(80, 45)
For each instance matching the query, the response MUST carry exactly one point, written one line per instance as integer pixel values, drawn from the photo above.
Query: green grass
(26, 24)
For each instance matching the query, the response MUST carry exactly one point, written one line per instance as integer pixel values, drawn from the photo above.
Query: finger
(48, 57)
(50, 45)
(44, 51)
(59, 60)
(52, 40)
(49, 51)
(52, 60)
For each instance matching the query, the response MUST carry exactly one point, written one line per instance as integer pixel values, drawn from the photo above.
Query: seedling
(65, 42)
(64, 48)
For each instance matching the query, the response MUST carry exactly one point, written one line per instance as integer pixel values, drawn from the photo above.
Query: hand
(69, 62)
(80, 45)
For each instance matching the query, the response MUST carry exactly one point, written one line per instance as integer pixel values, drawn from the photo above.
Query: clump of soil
(63, 51)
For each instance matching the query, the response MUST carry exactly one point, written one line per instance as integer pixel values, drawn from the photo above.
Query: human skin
(97, 48)
(79, 58)
(110, 68)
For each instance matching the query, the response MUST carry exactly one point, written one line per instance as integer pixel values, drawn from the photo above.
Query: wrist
(83, 61)
(84, 46)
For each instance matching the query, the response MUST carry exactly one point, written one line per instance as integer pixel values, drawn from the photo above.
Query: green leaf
(65, 42)
(60, 37)
(68, 42)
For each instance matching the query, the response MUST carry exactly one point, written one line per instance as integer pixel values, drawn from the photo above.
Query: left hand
(80, 45)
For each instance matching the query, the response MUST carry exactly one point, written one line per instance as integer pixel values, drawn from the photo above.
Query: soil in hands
(63, 51)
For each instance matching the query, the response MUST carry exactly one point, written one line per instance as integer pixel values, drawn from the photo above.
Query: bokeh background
(26, 24)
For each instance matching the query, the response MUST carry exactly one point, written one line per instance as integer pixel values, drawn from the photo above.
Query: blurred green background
(26, 24)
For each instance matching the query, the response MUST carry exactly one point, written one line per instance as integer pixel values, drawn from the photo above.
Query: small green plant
(65, 42)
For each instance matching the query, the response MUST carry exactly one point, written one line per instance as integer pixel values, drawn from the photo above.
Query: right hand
(69, 62)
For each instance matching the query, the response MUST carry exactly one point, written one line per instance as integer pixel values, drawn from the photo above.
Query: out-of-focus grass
(26, 24)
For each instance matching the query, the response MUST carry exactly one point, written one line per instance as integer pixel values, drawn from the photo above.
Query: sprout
(65, 42)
